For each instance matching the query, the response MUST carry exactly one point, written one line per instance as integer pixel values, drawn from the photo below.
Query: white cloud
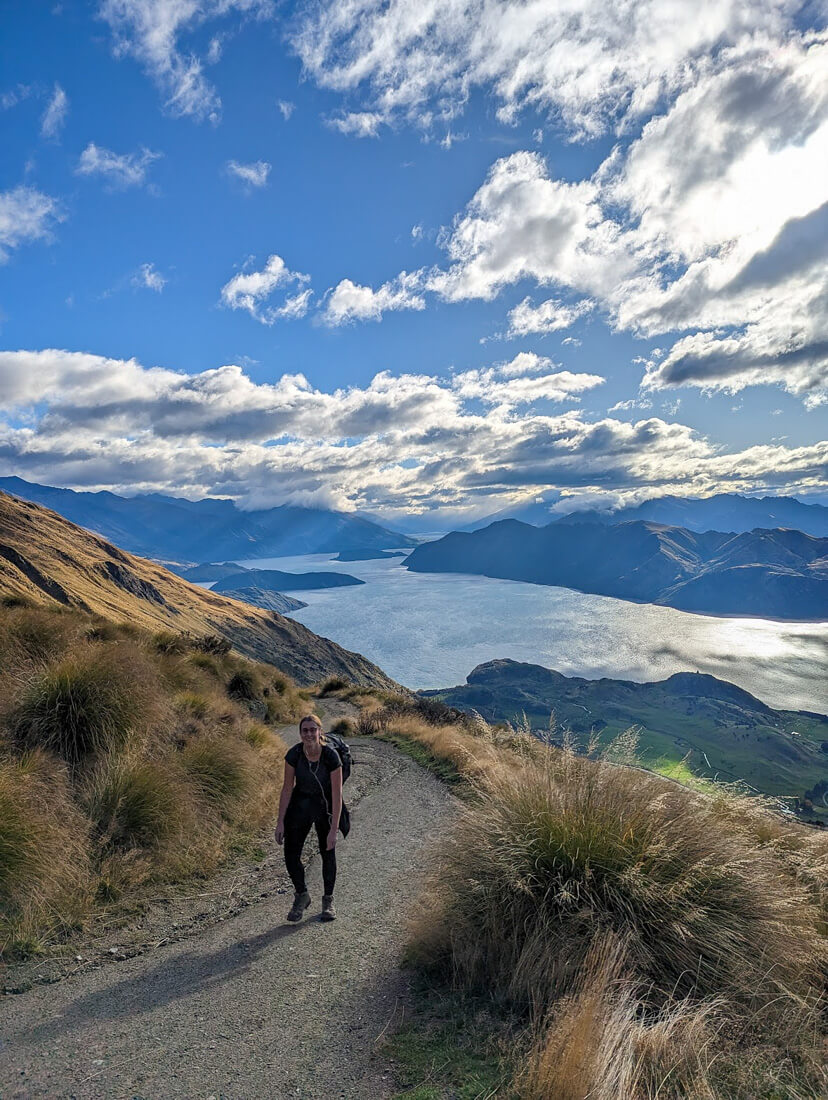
(25, 215)
(12, 96)
(589, 63)
(250, 291)
(151, 30)
(147, 276)
(286, 108)
(120, 170)
(254, 175)
(710, 228)
(55, 114)
(357, 123)
(549, 316)
(350, 302)
(401, 443)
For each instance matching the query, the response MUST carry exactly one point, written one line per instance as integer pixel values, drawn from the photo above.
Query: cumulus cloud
(399, 444)
(350, 302)
(709, 229)
(119, 170)
(250, 291)
(589, 63)
(147, 276)
(549, 316)
(55, 114)
(357, 123)
(253, 175)
(151, 31)
(25, 215)
(286, 108)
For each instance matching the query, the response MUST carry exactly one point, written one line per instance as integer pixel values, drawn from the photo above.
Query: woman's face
(309, 732)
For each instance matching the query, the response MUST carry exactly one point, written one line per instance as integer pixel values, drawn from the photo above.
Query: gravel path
(248, 1006)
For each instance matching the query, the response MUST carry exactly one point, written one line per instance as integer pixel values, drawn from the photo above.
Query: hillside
(777, 574)
(727, 731)
(275, 580)
(720, 512)
(46, 559)
(173, 528)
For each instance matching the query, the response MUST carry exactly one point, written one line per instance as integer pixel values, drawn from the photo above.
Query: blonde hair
(317, 720)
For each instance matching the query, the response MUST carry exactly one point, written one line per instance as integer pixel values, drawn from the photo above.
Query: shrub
(166, 641)
(244, 684)
(343, 727)
(212, 643)
(332, 684)
(83, 705)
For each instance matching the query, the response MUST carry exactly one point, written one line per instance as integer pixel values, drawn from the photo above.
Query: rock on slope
(49, 560)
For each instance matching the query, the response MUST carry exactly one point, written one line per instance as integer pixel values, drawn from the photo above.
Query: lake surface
(429, 630)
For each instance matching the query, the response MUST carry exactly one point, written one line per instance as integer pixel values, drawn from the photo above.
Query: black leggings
(301, 814)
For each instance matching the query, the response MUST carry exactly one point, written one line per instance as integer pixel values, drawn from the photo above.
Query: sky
(422, 259)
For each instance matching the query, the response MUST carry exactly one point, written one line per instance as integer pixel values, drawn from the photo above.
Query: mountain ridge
(775, 573)
(177, 529)
(47, 559)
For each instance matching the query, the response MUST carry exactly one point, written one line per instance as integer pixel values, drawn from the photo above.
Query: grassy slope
(741, 739)
(45, 558)
(656, 942)
(126, 759)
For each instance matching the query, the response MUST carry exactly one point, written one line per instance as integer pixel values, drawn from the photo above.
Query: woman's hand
(280, 833)
(331, 840)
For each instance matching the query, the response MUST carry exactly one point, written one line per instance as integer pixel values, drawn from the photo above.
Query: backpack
(343, 750)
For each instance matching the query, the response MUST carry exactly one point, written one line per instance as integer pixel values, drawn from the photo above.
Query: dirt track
(249, 1006)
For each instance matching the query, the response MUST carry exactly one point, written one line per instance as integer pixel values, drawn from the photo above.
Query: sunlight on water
(429, 630)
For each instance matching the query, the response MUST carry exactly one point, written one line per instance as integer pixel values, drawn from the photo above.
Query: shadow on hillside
(170, 980)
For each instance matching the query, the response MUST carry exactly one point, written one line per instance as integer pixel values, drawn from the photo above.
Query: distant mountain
(48, 560)
(775, 574)
(261, 597)
(274, 580)
(175, 529)
(722, 512)
(727, 731)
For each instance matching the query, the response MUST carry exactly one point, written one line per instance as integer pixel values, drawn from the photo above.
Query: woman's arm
(336, 809)
(284, 799)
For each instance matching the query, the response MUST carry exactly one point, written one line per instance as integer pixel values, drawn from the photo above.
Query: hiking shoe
(328, 911)
(300, 904)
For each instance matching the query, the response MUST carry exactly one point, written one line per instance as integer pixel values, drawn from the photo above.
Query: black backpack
(343, 750)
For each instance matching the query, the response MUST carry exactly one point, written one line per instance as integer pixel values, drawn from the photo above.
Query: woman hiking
(311, 796)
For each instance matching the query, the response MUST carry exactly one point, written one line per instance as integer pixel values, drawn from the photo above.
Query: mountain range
(45, 559)
(182, 530)
(777, 574)
(721, 512)
(725, 730)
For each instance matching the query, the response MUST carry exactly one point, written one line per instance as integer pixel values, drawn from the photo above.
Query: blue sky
(413, 256)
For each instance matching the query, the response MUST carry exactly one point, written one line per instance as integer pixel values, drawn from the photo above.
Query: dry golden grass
(123, 762)
(662, 942)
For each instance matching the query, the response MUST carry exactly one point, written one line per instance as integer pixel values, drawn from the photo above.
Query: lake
(429, 630)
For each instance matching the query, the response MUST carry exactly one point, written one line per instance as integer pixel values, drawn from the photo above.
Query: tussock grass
(45, 872)
(123, 763)
(84, 705)
(659, 941)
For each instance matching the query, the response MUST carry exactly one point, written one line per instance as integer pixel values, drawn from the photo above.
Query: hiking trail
(212, 995)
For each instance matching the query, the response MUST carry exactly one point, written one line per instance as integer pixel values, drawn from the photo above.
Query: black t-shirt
(311, 776)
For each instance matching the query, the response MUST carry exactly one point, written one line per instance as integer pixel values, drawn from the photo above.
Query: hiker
(311, 796)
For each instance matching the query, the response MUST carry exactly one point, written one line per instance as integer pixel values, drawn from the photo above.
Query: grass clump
(45, 871)
(657, 944)
(123, 764)
(81, 706)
